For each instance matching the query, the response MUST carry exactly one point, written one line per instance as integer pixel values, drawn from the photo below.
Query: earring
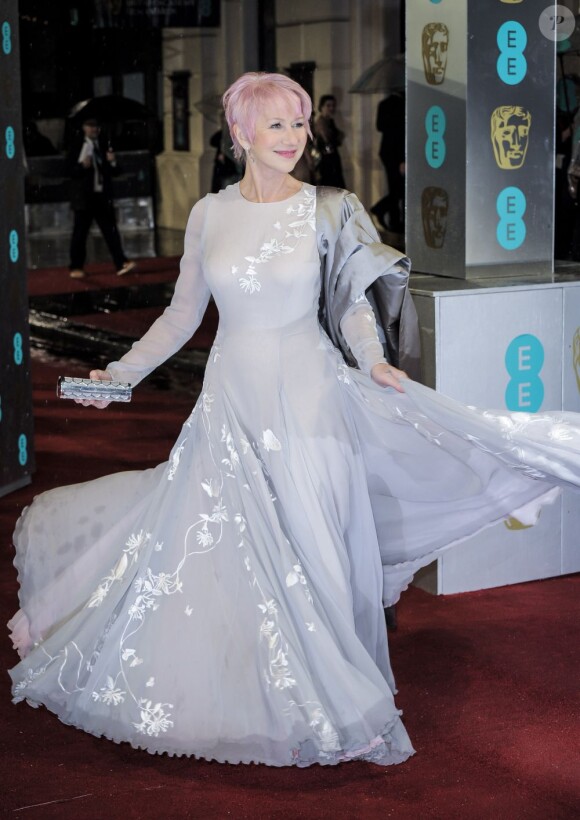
(250, 156)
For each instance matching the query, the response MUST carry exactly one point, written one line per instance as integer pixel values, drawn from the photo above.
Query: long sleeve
(359, 328)
(180, 319)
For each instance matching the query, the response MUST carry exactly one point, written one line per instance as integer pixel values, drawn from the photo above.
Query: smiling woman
(268, 116)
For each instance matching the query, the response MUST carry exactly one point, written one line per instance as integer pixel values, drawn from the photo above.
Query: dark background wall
(16, 445)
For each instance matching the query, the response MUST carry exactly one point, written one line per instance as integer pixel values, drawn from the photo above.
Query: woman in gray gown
(228, 603)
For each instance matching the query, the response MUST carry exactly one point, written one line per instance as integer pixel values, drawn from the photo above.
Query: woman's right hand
(97, 375)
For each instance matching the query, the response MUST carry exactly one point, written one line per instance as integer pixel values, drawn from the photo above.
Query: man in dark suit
(389, 210)
(91, 166)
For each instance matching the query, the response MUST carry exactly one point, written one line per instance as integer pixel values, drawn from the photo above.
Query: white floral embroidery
(310, 626)
(296, 576)
(234, 459)
(153, 718)
(109, 694)
(188, 610)
(270, 441)
(150, 682)
(211, 487)
(204, 537)
(305, 213)
(320, 724)
(135, 542)
(560, 432)
(240, 521)
(206, 402)
(116, 573)
(343, 374)
(175, 458)
(130, 655)
(249, 283)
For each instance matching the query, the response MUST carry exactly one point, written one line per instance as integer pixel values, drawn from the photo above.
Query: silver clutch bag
(87, 389)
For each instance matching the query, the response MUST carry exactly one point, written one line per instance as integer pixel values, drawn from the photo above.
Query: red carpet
(488, 684)
(102, 276)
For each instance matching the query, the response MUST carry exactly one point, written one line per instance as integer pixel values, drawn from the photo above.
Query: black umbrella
(110, 109)
(388, 74)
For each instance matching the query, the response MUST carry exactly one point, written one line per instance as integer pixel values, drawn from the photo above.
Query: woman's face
(280, 137)
(329, 108)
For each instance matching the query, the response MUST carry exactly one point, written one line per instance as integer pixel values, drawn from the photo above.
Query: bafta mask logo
(434, 207)
(435, 42)
(576, 356)
(510, 1)
(510, 128)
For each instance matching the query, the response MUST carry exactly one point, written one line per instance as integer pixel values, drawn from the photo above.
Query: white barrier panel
(571, 401)
(501, 347)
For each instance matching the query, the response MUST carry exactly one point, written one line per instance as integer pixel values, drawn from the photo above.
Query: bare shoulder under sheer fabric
(228, 604)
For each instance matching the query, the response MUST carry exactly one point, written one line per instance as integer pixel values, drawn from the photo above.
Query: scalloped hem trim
(377, 751)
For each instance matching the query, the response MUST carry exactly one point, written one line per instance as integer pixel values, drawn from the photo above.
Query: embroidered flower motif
(188, 610)
(269, 607)
(296, 576)
(343, 374)
(219, 513)
(135, 542)
(153, 718)
(175, 458)
(211, 487)
(150, 682)
(207, 400)
(270, 441)
(240, 521)
(304, 214)
(204, 538)
(98, 596)
(560, 432)
(130, 655)
(110, 694)
(249, 283)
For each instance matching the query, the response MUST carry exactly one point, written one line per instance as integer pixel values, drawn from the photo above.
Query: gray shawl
(353, 261)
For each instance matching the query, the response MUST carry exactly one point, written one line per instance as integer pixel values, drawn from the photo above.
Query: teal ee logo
(6, 37)
(17, 348)
(22, 450)
(435, 148)
(14, 253)
(511, 63)
(524, 360)
(9, 146)
(511, 228)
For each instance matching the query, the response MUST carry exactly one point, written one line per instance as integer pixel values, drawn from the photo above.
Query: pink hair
(251, 92)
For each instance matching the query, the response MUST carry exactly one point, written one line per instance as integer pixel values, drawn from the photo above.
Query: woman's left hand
(388, 376)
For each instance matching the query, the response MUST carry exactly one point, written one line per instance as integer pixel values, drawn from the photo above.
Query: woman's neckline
(275, 201)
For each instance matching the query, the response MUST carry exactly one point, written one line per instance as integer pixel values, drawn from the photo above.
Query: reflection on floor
(51, 249)
(96, 319)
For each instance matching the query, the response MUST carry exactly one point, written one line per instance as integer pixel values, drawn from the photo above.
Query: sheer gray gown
(228, 603)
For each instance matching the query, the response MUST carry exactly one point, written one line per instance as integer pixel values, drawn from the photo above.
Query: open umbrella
(388, 74)
(110, 108)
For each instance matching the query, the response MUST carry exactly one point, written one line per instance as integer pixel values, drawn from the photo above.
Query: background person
(389, 211)
(92, 164)
(328, 138)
